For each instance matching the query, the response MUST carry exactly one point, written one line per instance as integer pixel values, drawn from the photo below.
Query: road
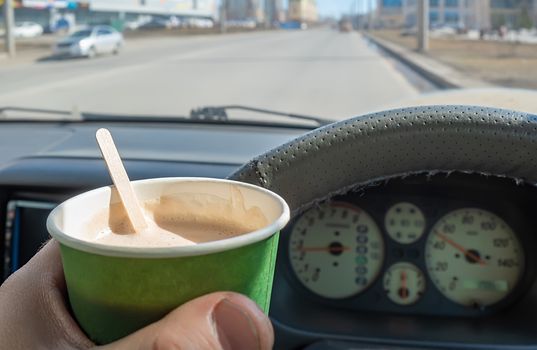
(318, 72)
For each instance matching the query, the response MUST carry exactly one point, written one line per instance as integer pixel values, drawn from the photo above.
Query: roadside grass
(505, 64)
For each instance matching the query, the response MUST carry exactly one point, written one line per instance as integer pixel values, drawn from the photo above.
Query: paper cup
(113, 291)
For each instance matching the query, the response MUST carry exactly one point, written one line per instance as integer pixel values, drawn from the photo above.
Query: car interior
(410, 228)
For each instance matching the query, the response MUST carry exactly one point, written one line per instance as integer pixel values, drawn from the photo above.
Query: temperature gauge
(404, 283)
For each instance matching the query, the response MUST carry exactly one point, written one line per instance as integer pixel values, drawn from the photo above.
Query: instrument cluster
(408, 253)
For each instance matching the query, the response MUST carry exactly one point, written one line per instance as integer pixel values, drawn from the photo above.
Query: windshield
(81, 34)
(331, 59)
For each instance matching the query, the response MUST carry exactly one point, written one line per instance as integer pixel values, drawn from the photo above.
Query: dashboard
(45, 163)
(443, 260)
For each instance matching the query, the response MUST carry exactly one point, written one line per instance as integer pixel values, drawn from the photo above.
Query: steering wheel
(361, 151)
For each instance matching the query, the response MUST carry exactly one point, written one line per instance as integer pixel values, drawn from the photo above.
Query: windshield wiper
(23, 114)
(203, 115)
(219, 114)
(39, 114)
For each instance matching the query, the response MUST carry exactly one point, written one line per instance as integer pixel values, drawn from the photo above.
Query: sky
(336, 8)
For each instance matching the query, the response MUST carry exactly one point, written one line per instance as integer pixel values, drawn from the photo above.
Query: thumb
(222, 320)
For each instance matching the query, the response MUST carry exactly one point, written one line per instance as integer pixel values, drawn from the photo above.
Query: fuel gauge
(404, 283)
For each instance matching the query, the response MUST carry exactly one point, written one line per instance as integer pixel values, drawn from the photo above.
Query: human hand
(35, 315)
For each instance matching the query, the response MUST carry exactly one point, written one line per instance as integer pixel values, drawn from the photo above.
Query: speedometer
(336, 250)
(473, 257)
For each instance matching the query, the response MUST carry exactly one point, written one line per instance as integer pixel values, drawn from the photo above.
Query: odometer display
(336, 250)
(473, 257)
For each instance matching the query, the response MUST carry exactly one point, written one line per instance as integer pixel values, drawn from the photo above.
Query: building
(470, 14)
(513, 13)
(83, 12)
(275, 11)
(390, 13)
(238, 10)
(303, 11)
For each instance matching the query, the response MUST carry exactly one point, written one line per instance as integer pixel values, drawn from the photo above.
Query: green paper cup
(115, 290)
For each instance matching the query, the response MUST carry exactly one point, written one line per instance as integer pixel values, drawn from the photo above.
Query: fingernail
(236, 330)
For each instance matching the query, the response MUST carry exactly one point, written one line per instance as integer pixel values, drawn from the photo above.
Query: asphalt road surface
(318, 72)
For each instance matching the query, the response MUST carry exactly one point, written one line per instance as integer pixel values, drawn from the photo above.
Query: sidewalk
(444, 76)
(32, 49)
(23, 56)
(455, 61)
(28, 49)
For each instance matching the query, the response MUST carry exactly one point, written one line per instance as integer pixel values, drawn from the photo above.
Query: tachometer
(336, 250)
(473, 257)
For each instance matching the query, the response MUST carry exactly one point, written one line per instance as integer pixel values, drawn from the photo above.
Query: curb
(443, 76)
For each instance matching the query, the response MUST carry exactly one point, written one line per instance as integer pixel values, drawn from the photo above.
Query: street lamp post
(370, 14)
(223, 16)
(423, 25)
(268, 14)
(9, 25)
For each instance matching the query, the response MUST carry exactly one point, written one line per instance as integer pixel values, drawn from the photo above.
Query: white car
(27, 30)
(137, 23)
(90, 42)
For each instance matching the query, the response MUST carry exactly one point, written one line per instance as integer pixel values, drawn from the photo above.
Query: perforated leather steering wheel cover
(365, 149)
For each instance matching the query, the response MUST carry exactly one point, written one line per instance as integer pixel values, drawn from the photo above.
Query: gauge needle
(460, 248)
(404, 290)
(323, 249)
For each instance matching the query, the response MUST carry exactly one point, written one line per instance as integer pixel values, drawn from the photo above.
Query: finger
(222, 320)
(35, 296)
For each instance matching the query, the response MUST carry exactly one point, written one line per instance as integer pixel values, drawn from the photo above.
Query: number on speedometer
(473, 257)
(336, 250)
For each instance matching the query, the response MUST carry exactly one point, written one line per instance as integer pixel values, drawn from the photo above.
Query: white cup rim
(172, 251)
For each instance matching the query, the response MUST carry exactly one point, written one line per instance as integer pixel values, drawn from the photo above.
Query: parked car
(90, 42)
(443, 30)
(245, 23)
(174, 22)
(202, 23)
(155, 24)
(410, 31)
(137, 23)
(27, 30)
